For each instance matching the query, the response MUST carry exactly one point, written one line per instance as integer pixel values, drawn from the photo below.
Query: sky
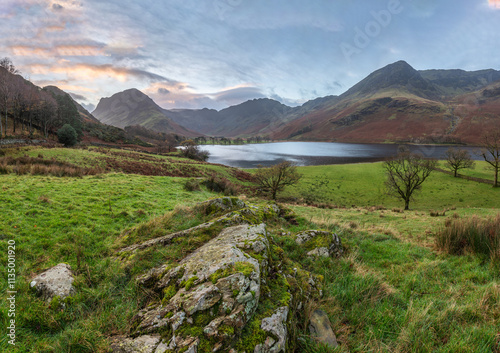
(217, 53)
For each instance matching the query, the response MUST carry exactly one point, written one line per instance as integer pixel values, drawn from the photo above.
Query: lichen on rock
(224, 289)
(318, 241)
(55, 282)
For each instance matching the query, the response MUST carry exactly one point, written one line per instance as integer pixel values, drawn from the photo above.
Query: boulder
(321, 329)
(56, 281)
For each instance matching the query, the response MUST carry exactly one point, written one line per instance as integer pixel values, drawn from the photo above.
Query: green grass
(482, 170)
(388, 295)
(391, 292)
(363, 185)
(54, 219)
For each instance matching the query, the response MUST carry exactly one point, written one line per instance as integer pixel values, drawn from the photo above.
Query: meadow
(393, 291)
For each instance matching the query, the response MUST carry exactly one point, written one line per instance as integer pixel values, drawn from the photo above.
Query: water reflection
(312, 153)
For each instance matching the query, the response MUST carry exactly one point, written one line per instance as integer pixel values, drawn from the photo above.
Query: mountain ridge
(395, 103)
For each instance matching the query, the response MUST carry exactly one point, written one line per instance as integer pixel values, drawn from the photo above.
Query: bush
(67, 135)
(220, 184)
(192, 185)
(480, 236)
(193, 151)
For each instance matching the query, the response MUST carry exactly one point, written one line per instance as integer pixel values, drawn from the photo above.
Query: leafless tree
(491, 151)
(457, 159)
(406, 173)
(7, 64)
(46, 112)
(275, 178)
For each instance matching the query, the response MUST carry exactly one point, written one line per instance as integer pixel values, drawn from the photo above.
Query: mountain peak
(400, 76)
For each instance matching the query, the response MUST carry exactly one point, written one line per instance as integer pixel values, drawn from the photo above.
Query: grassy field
(363, 185)
(393, 291)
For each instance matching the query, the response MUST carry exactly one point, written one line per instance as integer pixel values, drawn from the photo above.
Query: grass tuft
(479, 236)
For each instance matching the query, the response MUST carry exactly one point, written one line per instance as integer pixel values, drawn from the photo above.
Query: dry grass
(471, 234)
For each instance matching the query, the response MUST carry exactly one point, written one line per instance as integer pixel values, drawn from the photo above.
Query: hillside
(84, 113)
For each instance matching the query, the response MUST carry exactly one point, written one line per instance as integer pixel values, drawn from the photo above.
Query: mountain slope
(399, 103)
(84, 113)
(132, 107)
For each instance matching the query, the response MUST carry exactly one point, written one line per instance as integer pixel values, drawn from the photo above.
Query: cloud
(181, 95)
(494, 4)
(93, 72)
(236, 95)
(79, 97)
(58, 50)
(57, 7)
(90, 107)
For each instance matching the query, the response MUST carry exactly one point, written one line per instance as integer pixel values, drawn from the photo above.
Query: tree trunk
(407, 205)
(274, 195)
(455, 173)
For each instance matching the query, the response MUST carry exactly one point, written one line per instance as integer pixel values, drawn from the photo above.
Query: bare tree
(5, 97)
(7, 64)
(406, 173)
(275, 178)
(457, 159)
(491, 151)
(46, 112)
(7, 69)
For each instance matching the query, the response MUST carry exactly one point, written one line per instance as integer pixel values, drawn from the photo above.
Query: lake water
(313, 153)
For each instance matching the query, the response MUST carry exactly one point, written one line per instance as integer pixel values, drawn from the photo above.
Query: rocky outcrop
(212, 292)
(322, 243)
(55, 282)
(235, 293)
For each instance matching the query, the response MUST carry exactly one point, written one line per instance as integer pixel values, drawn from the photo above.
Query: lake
(313, 153)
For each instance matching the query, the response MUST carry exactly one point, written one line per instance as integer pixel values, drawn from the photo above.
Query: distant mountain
(393, 104)
(132, 107)
(84, 113)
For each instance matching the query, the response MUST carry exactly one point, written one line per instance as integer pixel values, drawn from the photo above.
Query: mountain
(400, 77)
(393, 104)
(132, 107)
(400, 104)
(84, 113)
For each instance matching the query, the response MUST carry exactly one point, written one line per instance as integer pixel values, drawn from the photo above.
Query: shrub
(67, 135)
(220, 184)
(192, 185)
(480, 236)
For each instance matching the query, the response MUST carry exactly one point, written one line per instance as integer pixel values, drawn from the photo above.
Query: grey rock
(142, 344)
(276, 326)
(336, 249)
(223, 275)
(56, 281)
(321, 329)
(221, 205)
(319, 252)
